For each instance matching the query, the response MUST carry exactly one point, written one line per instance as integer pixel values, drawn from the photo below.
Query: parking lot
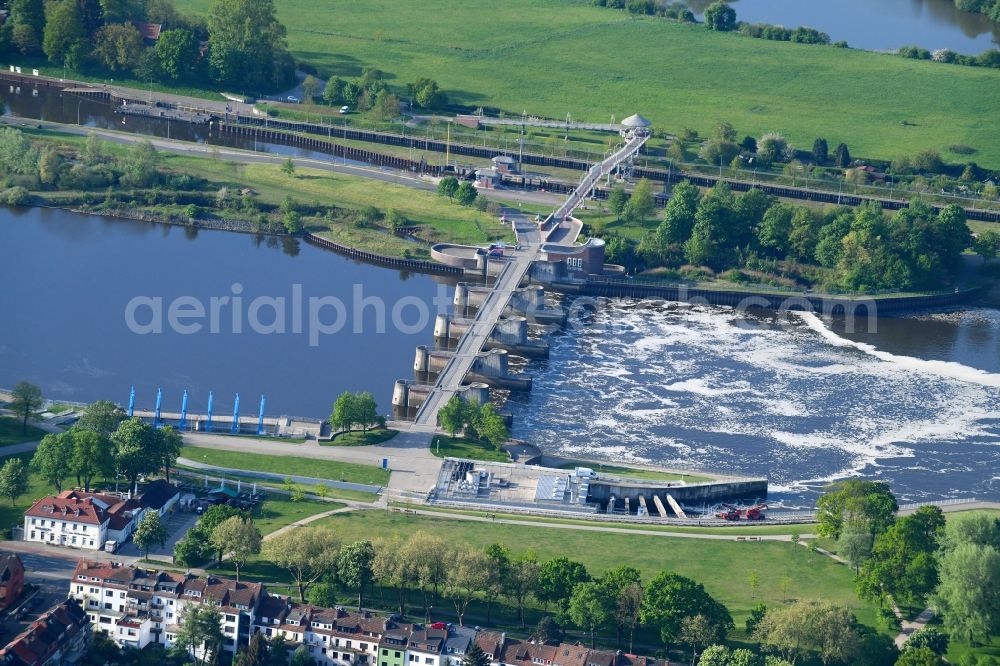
(177, 524)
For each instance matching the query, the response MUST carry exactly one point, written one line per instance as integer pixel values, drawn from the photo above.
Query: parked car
(293, 99)
(345, 109)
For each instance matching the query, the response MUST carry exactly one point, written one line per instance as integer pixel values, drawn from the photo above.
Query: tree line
(916, 560)
(842, 249)
(430, 569)
(241, 45)
(104, 443)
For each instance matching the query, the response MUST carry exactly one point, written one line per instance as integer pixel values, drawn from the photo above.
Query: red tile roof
(47, 635)
(149, 31)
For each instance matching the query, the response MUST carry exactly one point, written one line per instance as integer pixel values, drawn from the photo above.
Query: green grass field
(362, 437)
(277, 512)
(11, 513)
(292, 465)
(438, 218)
(553, 57)
(722, 566)
(11, 432)
(460, 447)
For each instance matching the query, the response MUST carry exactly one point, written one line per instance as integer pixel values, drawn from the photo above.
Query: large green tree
(623, 587)
(247, 44)
(522, 582)
(150, 532)
(307, 553)
(63, 27)
(13, 479)
(678, 217)
(27, 19)
(670, 597)
(642, 203)
(869, 501)
(466, 577)
(177, 51)
(557, 578)
(200, 635)
(26, 398)
(52, 459)
(239, 538)
(118, 46)
(136, 450)
(903, 562)
(354, 567)
(720, 16)
(590, 608)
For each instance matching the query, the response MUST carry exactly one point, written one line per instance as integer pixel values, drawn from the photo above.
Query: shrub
(16, 196)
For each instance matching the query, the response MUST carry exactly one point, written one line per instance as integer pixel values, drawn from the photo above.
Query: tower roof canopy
(636, 121)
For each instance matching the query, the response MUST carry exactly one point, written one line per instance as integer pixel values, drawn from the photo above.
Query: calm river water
(877, 25)
(68, 280)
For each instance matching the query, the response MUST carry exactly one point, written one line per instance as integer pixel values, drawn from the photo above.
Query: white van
(110, 546)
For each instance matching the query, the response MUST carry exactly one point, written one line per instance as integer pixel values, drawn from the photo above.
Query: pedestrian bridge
(530, 237)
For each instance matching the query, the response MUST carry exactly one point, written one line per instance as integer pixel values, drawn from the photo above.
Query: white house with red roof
(80, 519)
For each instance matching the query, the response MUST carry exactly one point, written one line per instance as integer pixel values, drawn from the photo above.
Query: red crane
(755, 512)
(728, 512)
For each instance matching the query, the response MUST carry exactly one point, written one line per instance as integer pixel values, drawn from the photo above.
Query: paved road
(721, 535)
(414, 467)
(240, 156)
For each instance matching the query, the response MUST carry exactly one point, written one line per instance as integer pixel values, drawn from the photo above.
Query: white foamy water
(947, 369)
(782, 396)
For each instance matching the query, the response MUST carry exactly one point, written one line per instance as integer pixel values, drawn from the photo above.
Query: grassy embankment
(289, 465)
(463, 447)
(362, 437)
(722, 566)
(12, 433)
(438, 218)
(598, 63)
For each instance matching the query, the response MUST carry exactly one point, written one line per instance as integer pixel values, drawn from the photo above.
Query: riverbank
(596, 61)
(342, 207)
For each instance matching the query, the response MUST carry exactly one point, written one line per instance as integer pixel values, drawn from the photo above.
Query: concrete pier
(510, 334)
(505, 297)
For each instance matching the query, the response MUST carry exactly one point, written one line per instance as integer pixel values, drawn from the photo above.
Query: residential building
(160, 496)
(136, 607)
(80, 519)
(11, 579)
(60, 637)
(89, 520)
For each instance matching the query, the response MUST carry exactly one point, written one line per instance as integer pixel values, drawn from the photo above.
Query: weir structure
(499, 306)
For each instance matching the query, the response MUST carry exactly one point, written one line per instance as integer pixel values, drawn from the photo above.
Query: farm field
(553, 57)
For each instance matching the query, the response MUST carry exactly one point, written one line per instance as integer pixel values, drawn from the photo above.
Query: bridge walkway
(529, 242)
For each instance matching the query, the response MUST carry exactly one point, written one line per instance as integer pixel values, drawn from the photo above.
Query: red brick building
(11, 579)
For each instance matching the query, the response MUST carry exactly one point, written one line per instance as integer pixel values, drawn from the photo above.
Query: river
(790, 397)
(69, 278)
(877, 25)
